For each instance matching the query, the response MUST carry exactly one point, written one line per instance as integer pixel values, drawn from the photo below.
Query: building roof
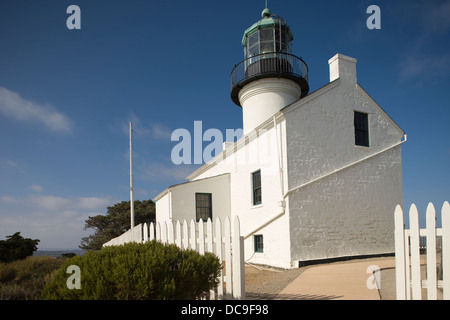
(162, 194)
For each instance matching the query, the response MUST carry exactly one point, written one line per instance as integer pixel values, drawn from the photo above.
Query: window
(257, 195)
(253, 44)
(259, 244)
(203, 206)
(266, 40)
(361, 129)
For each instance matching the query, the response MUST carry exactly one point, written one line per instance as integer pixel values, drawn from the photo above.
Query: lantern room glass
(266, 40)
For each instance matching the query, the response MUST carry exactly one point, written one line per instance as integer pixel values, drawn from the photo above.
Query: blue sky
(66, 96)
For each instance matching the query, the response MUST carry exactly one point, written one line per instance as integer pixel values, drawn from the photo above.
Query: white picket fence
(224, 241)
(407, 254)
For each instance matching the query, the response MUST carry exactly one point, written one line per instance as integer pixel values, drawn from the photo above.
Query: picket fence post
(229, 288)
(446, 250)
(185, 243)
(193, 239)
(238, 276)
(178, 234)
(400, 275)
(408, 242)
(218, 241)
(415, 253)
(431, 252)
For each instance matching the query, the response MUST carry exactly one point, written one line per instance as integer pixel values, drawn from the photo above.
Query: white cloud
(92, 203)
(419, 64)
(416, 67)
(35, 187)
(53, 203)
(154, 171)
(12, 105)
(161, 132)
(139, 130)
(436, 18)
(8, 199)
(9, 164)
(57, 221)
(155, 131)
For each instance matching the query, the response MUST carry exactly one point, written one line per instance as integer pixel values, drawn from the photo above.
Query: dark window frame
(198, 205)
(258, 243)
(256, 188)
(361, 123)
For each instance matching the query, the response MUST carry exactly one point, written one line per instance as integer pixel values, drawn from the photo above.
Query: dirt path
(266, 283)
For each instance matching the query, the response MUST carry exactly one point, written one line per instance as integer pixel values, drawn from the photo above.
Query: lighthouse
(324, 169)
(270, 77)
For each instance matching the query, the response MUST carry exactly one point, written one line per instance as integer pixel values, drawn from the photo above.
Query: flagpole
(131, 181)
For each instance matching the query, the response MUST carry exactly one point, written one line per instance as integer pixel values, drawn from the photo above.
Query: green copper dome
(268, 21)
(265, 13)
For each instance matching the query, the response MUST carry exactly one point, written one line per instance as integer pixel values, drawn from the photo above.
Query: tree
(17, 247)
(115, 222)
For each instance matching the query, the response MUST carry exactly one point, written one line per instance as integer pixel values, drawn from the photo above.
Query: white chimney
(343, 67)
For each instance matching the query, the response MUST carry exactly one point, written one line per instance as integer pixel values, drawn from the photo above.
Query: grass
(24, 279)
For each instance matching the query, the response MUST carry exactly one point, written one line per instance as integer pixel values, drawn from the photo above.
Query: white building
(315, 175)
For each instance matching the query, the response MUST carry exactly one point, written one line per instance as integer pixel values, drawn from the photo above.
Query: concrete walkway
(336, 281)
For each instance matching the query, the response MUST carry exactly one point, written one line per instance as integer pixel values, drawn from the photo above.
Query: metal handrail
(272, 63)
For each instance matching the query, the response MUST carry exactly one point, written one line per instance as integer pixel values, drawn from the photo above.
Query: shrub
(136, 271)
(24, 279)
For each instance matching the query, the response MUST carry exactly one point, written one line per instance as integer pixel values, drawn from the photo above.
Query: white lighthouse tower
(270, 77)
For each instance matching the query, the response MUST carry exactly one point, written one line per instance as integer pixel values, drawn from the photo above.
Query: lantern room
(270, 34)
(268, 54)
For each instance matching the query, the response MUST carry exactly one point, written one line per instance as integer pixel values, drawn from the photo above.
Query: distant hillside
(57, 253)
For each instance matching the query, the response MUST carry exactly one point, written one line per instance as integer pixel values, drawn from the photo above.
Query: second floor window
(361, 129)
(257, 192)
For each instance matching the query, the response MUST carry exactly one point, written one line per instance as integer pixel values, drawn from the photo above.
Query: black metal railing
(273, 64)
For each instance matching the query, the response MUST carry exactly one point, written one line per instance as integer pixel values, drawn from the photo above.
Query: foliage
(138, 271)
(24, 279)
(115, 222)
(16, 247)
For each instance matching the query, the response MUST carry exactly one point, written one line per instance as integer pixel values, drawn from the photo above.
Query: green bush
(24, 279)
(137, 271)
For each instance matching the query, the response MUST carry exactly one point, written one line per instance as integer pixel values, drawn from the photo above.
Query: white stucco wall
(162, 207)
(350, 212)
(258, 152)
